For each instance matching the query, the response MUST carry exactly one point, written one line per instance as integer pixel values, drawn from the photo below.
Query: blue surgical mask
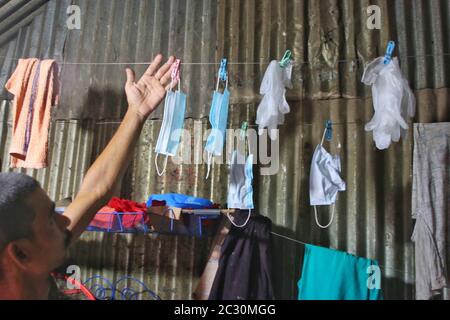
(218, 117)
(248, 198)
(172, 126)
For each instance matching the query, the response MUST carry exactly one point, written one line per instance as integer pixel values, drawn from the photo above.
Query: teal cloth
(335, 275)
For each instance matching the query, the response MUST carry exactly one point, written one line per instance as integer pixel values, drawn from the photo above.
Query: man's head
(33, 237)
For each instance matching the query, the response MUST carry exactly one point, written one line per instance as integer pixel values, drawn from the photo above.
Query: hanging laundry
(324, 180)
(329, 274)
(180, 201)
(244, 271)
(393, 101)
(430, 208)
(273, 105)
(173, 120)
(218, 117)
(35, 86)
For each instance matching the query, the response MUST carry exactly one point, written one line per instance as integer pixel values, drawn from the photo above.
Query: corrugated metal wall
(329, 40)
(15, 14)
(372, 216)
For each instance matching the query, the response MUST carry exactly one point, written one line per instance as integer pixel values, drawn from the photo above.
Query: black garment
(244, 271)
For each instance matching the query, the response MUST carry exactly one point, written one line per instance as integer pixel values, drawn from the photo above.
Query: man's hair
(16, 217)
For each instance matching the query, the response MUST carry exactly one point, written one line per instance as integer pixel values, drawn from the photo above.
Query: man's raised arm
(101, 179)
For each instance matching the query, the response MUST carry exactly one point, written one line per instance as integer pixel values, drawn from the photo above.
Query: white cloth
(430, 208)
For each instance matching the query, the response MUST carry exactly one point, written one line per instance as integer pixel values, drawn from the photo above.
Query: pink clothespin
(176, 70)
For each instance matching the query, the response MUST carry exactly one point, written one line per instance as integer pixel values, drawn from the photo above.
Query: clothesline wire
(229, 63)
(250, 125)
(304, 243)
(288, 238)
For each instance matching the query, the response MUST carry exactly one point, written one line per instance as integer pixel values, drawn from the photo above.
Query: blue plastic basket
(189, 225)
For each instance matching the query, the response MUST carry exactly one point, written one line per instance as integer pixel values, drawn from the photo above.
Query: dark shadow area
(287, 261)
(102, 103)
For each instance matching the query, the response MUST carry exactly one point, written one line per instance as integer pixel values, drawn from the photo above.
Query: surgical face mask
(240, 189)
(218, 117)
(324, 181)
(172, 126)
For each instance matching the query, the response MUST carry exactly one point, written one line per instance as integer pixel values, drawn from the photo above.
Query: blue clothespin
(223, 75)
(286, 59)
(389, 50)
(329, 133)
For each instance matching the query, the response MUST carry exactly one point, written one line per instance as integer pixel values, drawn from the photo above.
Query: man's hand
(145, 95)
(103, 176)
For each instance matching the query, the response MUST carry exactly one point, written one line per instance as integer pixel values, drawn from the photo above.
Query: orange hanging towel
(35, 86)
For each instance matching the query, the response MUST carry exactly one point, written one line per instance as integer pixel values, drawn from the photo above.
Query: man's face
(50, 236)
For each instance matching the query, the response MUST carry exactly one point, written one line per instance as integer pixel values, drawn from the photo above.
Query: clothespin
(329, 132)
(244, 128)
(176, 70)
(389, 50)
(286, 59)
(223, 75)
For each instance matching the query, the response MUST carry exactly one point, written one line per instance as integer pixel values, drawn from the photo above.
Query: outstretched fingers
(164, 70)
(167, 77)
(153, 66)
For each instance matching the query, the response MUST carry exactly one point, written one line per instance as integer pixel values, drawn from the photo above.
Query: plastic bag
(393, 101)
(273, 106)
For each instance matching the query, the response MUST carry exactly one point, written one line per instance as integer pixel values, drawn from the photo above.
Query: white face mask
(324, 181)
(240, 189)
